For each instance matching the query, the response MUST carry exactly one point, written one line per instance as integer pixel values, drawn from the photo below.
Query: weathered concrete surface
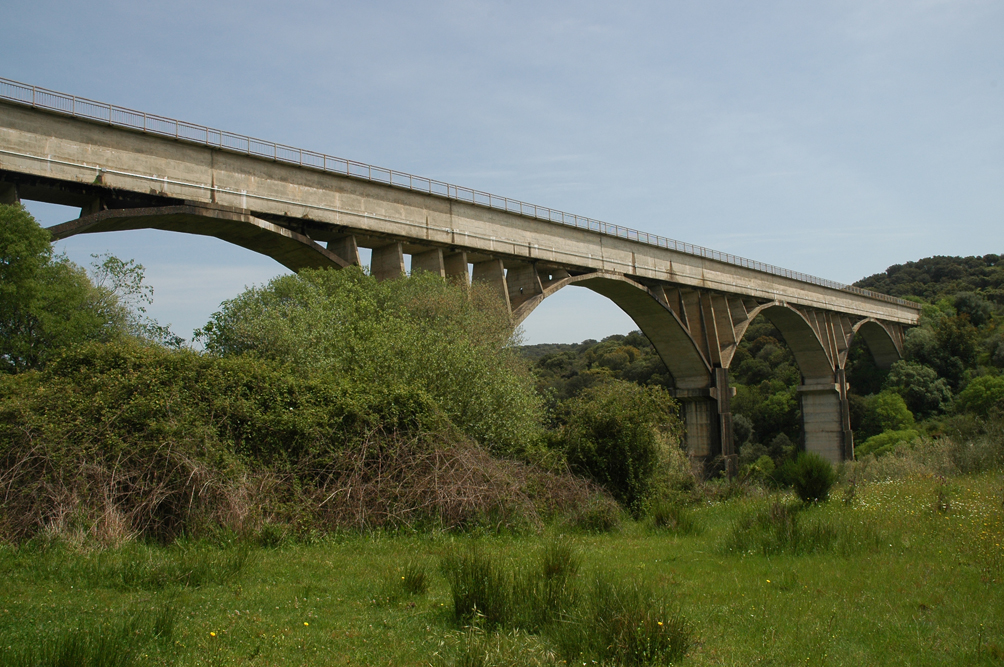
(92, 156)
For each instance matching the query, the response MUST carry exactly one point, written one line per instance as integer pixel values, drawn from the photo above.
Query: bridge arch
(292, 250)
(814, 363)
(884, 345)
(670, 338)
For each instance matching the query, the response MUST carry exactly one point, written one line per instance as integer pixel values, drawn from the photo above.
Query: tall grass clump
(529, 592)
(481, 587)
(674, 518)
(623, 624)
(778, 529)
(118, 644)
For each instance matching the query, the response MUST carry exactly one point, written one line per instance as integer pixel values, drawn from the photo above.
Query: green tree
(982, 395)
(46, 302)
(924, 392)
(886, 411)
(614, 432)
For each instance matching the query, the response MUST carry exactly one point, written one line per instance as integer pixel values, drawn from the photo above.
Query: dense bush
(616, 433)
(416, 335)
(982, 395)
(885, 442)
(810, 475)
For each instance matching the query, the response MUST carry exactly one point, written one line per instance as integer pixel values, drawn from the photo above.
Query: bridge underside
(694, 309)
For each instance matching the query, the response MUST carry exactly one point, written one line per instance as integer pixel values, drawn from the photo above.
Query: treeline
(949, 379)
(321, 401)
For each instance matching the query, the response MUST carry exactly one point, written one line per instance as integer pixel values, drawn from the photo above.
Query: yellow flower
(305, 623)
(660, 622)
(212, 634)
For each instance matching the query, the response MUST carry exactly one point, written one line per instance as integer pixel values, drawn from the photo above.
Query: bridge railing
(79, 107)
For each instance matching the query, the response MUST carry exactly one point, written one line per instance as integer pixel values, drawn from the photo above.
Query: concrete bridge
(130, 170)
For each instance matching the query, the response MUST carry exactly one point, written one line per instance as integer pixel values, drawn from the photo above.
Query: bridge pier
(707, 415)
(826, 422)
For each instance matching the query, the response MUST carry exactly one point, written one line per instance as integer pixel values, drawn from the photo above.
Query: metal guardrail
(79, 107)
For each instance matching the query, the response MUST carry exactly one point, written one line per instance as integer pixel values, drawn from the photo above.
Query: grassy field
(907, 573)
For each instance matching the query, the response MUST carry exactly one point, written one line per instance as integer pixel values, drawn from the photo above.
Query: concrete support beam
(430, 261)
(346, 248)
(492, 273)
(722, 394)
(455, 266)
(388, 262)
(522, 283)
(8, 194)
(824, 420)
(95, 205)
(702, 428)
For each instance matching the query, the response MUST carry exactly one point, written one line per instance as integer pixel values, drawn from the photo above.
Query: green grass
(907, 578)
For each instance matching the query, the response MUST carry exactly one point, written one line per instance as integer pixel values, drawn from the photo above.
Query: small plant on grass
(673, 517)
(600, 514)
(415, 578)
(810, 475)
(623, 624)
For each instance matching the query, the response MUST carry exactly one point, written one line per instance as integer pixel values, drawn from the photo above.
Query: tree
(982, 395)
(886, 412)
(924, 392)
(46, 302)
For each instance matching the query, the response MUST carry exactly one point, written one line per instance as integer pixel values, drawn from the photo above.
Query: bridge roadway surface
(128, 170)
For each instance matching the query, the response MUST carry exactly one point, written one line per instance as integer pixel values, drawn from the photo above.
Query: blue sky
(832, 138)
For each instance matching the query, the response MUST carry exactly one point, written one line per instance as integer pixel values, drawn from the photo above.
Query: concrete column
(388, 262)
(430, 261)
(8, 194)
(702, 427)
(455, 266)
(722, 393)
(347, 249)
(522, 283)
(824, 414)
(493, 273)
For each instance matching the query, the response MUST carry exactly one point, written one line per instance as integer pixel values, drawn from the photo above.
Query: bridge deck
(54, 156)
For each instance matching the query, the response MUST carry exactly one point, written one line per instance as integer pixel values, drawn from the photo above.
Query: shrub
(883, 443)
(623, 624)
(421, 335)
(614, 433)
(599, 514)
(886, 411)
(810, 475)
(673, 517)
(982, 395)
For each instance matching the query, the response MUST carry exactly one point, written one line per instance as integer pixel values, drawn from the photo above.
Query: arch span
(670, 338)
(813, 361)
(885, 347)
(292, 250)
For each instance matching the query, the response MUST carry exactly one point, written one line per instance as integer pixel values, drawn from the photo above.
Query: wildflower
(212, 634)
(305, 623)
(660, 622)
